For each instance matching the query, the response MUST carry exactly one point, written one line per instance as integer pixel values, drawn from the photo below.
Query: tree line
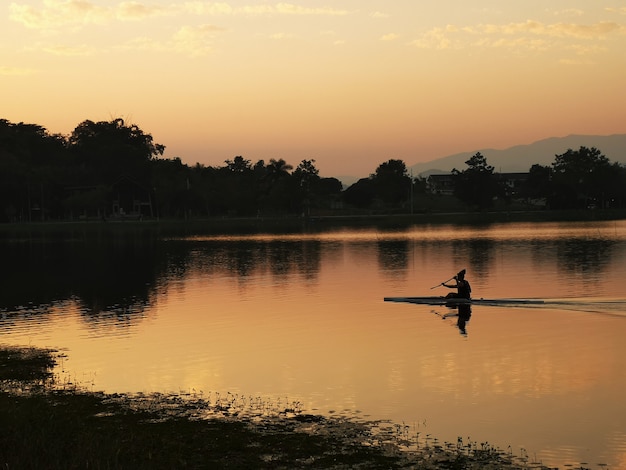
(577, 179)
(113, 169)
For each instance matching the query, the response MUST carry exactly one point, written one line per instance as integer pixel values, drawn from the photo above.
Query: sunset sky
(349, 83)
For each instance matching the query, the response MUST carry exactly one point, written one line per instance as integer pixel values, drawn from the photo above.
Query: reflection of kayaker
(465, 312)
(464, 290)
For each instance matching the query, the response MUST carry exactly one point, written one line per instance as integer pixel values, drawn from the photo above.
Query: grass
(46, 425)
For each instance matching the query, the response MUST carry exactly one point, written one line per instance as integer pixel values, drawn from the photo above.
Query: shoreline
(45, 425)
(291, 223)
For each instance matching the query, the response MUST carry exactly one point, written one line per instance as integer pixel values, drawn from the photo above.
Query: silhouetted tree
(306, 172)
(276, 193)
(44, 176)
(327, 191)
(538, 185)
(32, 171)
(306, 176)
(476, 185)
(110, 149)
(238, 187)
(392, 182)
(170, 178)
(581, 177)
(361, 194)
(238, 164)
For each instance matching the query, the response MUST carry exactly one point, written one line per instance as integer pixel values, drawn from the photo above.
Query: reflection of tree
(310, 262)
(476, 253)
(116, 277)
(29, 275)
(588, 258)
(393, 255)
(244, 258)
(481, 256)
(105, 273)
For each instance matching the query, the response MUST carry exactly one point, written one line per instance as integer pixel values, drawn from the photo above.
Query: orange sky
(349, 83)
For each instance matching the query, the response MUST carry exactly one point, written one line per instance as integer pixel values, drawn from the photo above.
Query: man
(462, 286)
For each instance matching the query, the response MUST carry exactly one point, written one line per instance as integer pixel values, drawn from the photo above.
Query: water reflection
(393, 255)
(585, 258)
(124, 275)
(247, 258)
(99, 276)
(302, 315)
(480, 256)
(464, 315)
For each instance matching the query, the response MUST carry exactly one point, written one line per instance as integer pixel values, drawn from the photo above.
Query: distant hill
(521, 157)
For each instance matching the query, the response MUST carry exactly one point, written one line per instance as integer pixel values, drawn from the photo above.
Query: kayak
(458, 301)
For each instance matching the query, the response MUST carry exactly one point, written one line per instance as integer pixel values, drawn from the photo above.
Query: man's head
(461, 274)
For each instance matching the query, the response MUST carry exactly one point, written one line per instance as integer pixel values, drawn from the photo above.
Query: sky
(347, 83)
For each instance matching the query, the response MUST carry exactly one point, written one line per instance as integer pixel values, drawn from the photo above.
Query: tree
(392, 182)
(110, 149)
(32, 167)
(306, 172)
(538, 185)
(277, 169)
(581, 178)
(238, 165)
(237, 187)
(306, 175)
(275, 189)
(477, 184)
(361, 194)
(169, 181)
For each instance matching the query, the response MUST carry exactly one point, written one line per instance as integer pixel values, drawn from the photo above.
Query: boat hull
(457, 301)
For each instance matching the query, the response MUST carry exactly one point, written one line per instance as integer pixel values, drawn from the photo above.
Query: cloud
(569, 12)
(138, 11)
(71, 51)
(54, 14)
(586, 49)
(531, 35)
(192, 41)
(438, 38)
(379, 14)
(389, 37)
(288, 9)
(208, 8)
(59, 13)
(222, 8)
(560, 30)
(620, 10)
(517, 43)
(575, 62)
(15, 71)
(279, 36)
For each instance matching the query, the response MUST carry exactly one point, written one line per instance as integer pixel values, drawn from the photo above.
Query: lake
(300, 318)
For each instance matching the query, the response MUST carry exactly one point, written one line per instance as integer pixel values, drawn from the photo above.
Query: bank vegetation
(111, 170)
(47, 423)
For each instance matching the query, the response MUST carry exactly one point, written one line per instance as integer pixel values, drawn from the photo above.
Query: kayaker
(462, 286)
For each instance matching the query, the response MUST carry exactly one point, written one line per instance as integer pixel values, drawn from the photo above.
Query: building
(444, 183)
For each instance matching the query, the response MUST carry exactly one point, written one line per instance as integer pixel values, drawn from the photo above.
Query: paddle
(453, 277)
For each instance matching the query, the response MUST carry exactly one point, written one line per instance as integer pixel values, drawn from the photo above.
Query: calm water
(302, 318)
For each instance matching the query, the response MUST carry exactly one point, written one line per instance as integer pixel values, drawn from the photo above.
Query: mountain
(521, 157)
